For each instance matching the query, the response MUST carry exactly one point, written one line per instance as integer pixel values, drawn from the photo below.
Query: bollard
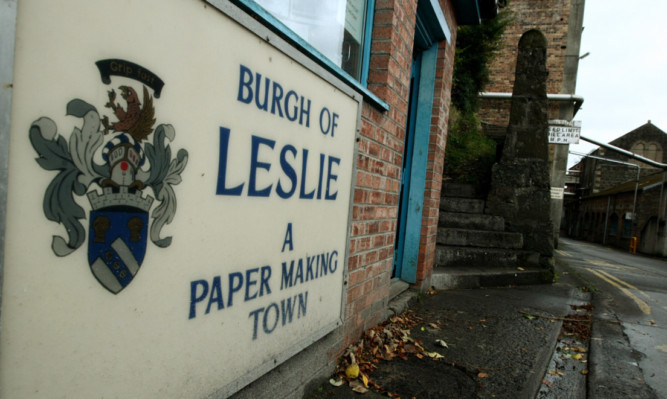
(633, 245)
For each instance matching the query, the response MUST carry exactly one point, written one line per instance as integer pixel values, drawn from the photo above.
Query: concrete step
(479, 238)
(462, 205)
(491, 258)
(460, 190)
(471, 221)
(452, 278)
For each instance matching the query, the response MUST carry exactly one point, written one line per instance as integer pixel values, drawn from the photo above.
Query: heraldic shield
(117, 244)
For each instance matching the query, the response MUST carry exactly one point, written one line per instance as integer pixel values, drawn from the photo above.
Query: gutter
(577, 100)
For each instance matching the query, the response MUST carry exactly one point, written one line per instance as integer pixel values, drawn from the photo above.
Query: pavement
(512, 342)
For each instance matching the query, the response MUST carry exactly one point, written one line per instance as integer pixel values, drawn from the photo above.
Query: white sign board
(178, 203)
(564, 132)
(557, 192)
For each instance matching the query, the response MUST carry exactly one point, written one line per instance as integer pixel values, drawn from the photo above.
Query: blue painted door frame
(415, 157)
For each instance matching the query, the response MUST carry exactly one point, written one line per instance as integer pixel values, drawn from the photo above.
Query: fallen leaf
(482, 375)
(578, 349)
(584, 372)
(437, 327)
(364, 378)
(358, 387)
(335, 383)
(410, 348)
(441, 343)
(547, 383)
(578, 356)
(419, 355)
(521, 268)
(434, 355)
(528, 316)
(555, 372)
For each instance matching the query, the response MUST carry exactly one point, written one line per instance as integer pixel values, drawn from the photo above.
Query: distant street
(630, 290)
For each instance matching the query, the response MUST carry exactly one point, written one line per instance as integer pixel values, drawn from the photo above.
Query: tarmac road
(630, 319)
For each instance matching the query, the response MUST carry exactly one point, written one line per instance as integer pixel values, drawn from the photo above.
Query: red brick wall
(436, 154)
(379, 162)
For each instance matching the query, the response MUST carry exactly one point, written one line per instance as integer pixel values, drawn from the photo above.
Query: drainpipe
(606, 220)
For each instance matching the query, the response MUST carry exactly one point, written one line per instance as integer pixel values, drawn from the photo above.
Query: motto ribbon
(118, 67)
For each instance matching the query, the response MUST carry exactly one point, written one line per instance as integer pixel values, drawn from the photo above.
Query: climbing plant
(469, 153)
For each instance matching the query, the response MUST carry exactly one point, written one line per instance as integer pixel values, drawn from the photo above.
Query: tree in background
(469, 154)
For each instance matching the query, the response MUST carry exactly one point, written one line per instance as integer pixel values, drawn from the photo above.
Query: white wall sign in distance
(564, 132)
(557, 192)
(178, 203)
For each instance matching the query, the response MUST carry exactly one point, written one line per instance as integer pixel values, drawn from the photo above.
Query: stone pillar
(520, 184)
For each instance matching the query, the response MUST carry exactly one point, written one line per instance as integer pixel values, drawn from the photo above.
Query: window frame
(280, 29)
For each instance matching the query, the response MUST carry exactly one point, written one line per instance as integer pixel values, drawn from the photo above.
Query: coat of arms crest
(116, 189)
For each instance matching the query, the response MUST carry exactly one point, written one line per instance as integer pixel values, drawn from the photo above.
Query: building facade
(618, 199)
(363, 86)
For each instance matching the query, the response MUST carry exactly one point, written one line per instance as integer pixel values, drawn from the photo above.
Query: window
(335, 28)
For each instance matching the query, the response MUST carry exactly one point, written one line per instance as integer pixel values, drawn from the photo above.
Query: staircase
(474, 250)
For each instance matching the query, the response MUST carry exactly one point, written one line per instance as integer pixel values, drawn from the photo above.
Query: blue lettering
(299, 272)
(255, 313)
(287, 307)
(234, 287)
(294, 105)
(266, 275)
(277, 96)
(254, 164)
(267, 329)
(216, 295)
(249, 282)
(306, 111)
(287, 279)
(284, 188)
(258, 83)
(289, 172)
(222, 167)
(245, 82)
(334, 123)
(194, 298)
(319, 180)
(303, 302)
(295, 108)
(273, 313)
(333, 263)
(324, 126)
(309, 268)
(288, 238)
(328, 122)
(331, 176)
(322, 261)
(304, 163)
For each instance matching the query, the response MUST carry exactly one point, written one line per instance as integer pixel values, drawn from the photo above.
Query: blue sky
(624, 79)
